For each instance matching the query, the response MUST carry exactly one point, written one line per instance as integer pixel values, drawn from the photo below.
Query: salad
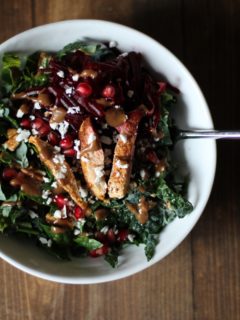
(85, 151)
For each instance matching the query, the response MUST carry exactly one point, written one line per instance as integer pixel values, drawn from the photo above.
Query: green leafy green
(21, 155)
(97, 50)
(88, 243)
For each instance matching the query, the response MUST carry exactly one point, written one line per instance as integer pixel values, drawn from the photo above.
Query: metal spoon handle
(212, 134)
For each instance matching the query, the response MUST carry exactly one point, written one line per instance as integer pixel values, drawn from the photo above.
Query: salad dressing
(27, 184)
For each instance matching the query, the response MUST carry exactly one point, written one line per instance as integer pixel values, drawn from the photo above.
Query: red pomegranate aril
(38, 123)
(152, 157)
(44, 130)
(111, 236)
(84, 89)
(53, 138)
(99, 252)
(9, 173)
(26, 123)
(109, 91)
(123, 234)
(60, 200)
(66, 143)
(78, 213)
(69, 152)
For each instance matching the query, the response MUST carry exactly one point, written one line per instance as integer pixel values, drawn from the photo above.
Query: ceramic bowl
(197, 157)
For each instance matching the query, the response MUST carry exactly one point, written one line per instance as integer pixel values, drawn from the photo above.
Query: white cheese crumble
(46, 180)
(49, 200)
(23, 135)
(121, 165)
(53, 125)
(91, 138)
(69, 90)
(76, 232)
(76, 148)
(54, 185)
(58, 158)
(112, 44)
(75, 77)
(45, 194)
(104, 230)
(19, 114)
(34, 131)
(37, 105)
(57, 149)
(123, 138)
(142, 173)
(157, 174)
(60, 73)
(83, 192)
(45, 241)
(73, 110)
(106, 140)
(130, 93)
(32, 214)
(57, 214)
(131, 237)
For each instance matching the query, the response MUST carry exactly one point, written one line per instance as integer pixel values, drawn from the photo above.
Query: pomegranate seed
(38, 123)
(111, 236)
(152, 157)
(9, 173)
(25, 123)
(69, 152)
(66, 143)
(109, 91)
(53, 138)
(78, 213)
(101, 237)
(99, 252)
(84, 89)
(44, 130)
(60, 200)
(123, 234)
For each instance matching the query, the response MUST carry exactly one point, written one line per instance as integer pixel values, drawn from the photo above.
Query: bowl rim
(136, 268)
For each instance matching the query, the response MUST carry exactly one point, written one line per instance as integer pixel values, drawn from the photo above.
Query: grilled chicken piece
(92, 159)
(123, 155)
(59, 168)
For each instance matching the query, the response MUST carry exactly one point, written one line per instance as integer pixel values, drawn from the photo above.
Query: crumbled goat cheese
(91, 138)
(54, 184)
(83, 192)
(57, 214)
(32, 214)
(106, 140)
(75, 77)
(69, 90)
(131, 237)
(76, 148)
(73, 110)
(45, 194)
(63, 128)
(121, 165)
(130, 93)
(60, 73)
(76, 232)
(104, 230)
(34, 131)
(57, 149)
(58, 158)
(45, 241)
(37, 105)
(49, 200)
(123, 138)
(112, 44)
(53, 125)
(19, 114)
(46, 180)
(157, 174)
(32, 117)
(23, 135)
(142, 173)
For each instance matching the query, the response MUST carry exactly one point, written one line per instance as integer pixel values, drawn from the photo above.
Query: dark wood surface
(201, 279)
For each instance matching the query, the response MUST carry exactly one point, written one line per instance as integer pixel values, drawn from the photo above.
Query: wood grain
(200, 280)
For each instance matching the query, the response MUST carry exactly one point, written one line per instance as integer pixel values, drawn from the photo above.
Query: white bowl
(198, 157)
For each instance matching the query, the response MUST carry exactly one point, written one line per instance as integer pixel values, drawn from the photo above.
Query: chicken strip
(123, 155)
(92, 159)
(59, 168)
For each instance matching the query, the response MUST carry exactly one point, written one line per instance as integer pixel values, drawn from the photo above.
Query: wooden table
(201, 278)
